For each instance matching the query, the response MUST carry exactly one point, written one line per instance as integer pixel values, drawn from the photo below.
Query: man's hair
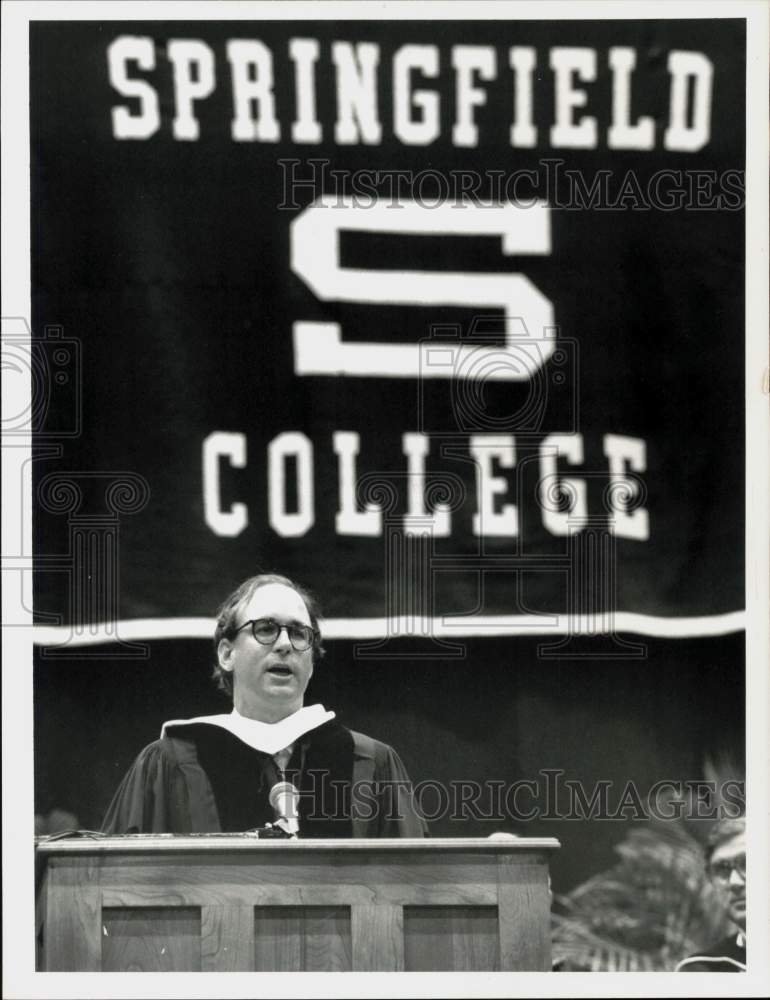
(724, 830)
(227, 619)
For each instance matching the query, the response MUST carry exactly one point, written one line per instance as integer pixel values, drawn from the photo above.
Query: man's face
(269, 681)
(732, 883)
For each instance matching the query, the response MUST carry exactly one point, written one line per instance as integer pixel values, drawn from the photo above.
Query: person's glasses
(722, 870)
(266, 631)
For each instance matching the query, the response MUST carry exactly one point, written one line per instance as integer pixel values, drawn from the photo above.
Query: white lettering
(221, 444)
(411, 131)
(357, 119)
(684, 66)
(246, 56)
(188, 87)
(415, 447)
(468, 60)
(290, 444)
(485, 448)
(315, 257)
(565, 132)
(350, 520)
(305, 52)
(142, 51)
(626, 452)
(522, 61)
(551, 485)
(622, 134)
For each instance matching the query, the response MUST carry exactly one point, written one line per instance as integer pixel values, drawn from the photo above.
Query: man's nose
(736, 878)
(283, 641)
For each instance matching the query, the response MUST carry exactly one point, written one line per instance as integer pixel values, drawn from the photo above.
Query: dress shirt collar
(269, 737)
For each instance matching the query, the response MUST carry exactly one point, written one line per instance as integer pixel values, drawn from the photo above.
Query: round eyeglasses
(722, 870)
(266, 631)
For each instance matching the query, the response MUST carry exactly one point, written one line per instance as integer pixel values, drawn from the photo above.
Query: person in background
(56, 821)
(215, 773)
(726, 865)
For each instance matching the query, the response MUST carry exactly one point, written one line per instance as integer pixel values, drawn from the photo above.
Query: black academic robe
(728, 955)
(200, 778)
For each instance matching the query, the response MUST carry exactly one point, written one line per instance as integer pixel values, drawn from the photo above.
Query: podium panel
(152, 903)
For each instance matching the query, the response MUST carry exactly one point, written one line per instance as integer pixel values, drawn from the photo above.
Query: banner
(445, 322)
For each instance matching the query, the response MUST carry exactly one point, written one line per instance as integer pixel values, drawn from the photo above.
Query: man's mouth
(279, 670)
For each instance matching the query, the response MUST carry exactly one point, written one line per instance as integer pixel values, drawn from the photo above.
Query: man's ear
(225, 653)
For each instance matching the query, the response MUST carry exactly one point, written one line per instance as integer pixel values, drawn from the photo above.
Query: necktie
(287, 820)
(282, 758)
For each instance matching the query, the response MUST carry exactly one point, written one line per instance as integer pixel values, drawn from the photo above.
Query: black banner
(436, 319)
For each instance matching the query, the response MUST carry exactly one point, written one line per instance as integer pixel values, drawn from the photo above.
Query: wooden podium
(218, 903)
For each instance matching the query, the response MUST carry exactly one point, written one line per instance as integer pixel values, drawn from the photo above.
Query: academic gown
(728, 955)
(200, 778)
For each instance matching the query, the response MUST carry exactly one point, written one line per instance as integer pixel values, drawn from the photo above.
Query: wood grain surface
(227, 938)
(378, 938)
(298, 908)
(213, 843)
(151, 940)
(302, 939)
(525, 933)
(451, 938)
(72, 931)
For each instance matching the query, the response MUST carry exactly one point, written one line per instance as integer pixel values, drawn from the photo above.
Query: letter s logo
(315, 257)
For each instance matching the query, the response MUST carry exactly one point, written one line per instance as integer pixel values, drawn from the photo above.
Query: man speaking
(273, 762)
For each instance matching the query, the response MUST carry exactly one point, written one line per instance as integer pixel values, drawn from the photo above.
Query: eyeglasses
(266, 631)
(722, 870)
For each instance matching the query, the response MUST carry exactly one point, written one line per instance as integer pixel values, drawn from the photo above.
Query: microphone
(284, 798)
